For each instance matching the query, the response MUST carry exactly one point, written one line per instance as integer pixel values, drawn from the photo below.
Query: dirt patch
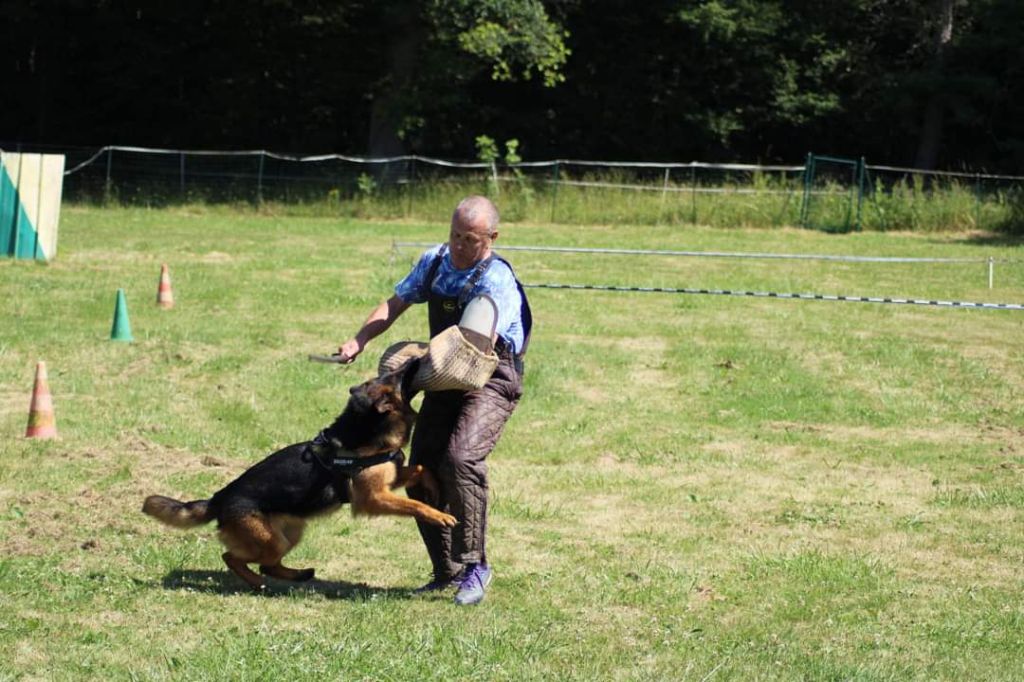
(649, 376)
(939, 434)
(74, 521)
(643, 344)
(589, 393)
(215, 257)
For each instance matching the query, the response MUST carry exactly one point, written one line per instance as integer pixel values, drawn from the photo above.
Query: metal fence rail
(728, 254)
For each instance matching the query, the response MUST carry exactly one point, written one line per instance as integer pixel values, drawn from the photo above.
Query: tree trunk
(931, 129)
(389, 104)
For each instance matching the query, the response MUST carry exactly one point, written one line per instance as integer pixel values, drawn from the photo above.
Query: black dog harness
(348, 463)
(350, 466)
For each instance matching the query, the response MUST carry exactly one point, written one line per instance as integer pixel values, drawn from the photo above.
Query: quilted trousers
(455, 432)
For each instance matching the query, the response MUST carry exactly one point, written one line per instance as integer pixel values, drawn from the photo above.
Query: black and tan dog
(261, 515)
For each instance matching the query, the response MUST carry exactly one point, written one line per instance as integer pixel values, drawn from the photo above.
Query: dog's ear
(361, 398)
(387, 400)
(379, 395)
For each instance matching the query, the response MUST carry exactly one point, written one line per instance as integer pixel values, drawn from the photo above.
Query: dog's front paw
(443, 519)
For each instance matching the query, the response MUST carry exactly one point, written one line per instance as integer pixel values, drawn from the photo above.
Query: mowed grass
(693, 488)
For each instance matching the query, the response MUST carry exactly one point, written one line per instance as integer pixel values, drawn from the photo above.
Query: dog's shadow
(222, 582)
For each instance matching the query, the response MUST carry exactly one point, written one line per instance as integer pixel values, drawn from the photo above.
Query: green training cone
(122, 330)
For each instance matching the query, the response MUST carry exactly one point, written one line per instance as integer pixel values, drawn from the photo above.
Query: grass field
(693, 488)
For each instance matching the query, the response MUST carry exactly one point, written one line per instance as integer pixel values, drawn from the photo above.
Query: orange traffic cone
(164, 295)
(41, 422)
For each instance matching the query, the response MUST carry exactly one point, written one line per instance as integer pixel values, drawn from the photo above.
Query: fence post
(977, 206)
(693, 193)
(410, 183)
(554, 190)
(808, 177)
(664, 194)
(106, 186)
(991, 270)
(860, 191)
(181, 175)
(259, 180)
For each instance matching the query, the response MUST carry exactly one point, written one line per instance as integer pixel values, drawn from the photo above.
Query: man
(456, 430)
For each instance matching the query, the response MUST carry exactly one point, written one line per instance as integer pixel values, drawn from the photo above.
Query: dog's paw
(446, 520)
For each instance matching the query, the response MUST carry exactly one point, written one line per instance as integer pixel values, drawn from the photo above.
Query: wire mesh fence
(822, 193)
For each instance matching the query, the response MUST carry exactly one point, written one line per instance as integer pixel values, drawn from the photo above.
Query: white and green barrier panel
(30, 191)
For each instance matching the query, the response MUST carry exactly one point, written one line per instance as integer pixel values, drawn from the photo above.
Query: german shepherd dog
(262, 514)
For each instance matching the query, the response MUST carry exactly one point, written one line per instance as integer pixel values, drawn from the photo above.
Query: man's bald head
(477, 212)
(474, 228)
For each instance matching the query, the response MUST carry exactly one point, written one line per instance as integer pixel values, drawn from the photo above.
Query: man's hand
(348, 351)
(376, 324)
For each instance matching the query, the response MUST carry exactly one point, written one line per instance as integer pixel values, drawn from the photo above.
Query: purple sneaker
(438, 584)
(475, 580)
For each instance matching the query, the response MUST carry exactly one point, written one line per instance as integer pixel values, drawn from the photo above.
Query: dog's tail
(178, 514)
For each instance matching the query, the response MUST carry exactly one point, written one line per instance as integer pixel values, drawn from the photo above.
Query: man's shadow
(223, 582)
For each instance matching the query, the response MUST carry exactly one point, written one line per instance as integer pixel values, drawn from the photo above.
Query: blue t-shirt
(498, 282)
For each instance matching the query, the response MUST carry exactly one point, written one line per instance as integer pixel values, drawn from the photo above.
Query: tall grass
(759, 200)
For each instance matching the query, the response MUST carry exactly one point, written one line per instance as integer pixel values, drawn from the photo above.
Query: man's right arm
(382, 317)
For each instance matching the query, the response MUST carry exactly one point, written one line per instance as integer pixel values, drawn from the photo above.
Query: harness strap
(428, 281)
(473, 278)
(526, 315)
(349, 464)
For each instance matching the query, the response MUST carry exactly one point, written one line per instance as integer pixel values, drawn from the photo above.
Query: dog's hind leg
(240, 568)
(252, 538)
(291, 529)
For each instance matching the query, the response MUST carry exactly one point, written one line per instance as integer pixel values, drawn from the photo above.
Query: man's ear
(494, 236)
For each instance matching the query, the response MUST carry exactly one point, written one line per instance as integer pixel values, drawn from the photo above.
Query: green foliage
(516, 37)
(1014, 222)
(665, 79)
(366, 185)
(520, 195)
(486, 149)
(512, 152)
